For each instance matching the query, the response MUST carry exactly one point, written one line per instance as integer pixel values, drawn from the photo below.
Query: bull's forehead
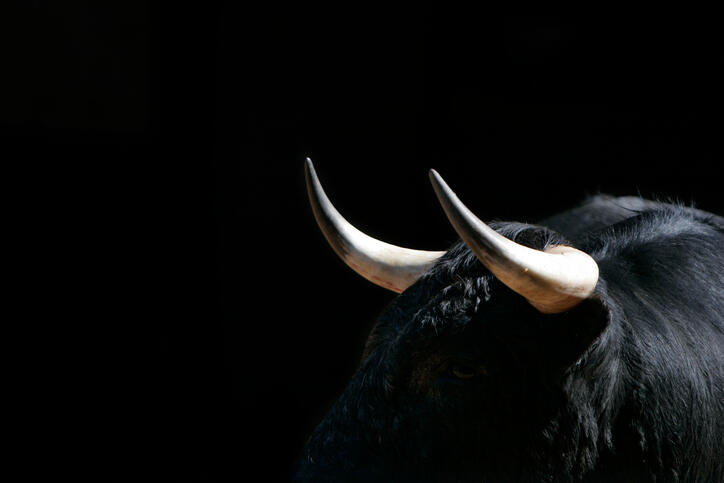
(430, 310)
(456, 295)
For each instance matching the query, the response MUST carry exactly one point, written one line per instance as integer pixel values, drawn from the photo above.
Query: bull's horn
(389, 266)
(553, 280)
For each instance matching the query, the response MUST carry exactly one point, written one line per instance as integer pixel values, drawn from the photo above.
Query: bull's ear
(576, 330)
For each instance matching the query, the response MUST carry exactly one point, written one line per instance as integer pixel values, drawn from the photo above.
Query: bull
(587, 347)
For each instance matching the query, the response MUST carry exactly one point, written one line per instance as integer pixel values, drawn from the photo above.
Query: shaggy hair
(627, 386)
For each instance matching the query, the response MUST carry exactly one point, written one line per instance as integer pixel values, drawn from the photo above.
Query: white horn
(553, 280)
(389, 266)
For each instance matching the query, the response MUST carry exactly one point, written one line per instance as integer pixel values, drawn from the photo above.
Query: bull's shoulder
(601, 211)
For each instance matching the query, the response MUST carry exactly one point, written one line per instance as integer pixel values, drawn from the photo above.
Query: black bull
(462, 380)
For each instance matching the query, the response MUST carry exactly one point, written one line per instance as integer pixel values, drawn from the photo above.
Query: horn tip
(439, 184)
(309, 167)
(435, 178)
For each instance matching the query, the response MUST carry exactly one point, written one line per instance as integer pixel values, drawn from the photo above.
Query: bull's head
(460, 376)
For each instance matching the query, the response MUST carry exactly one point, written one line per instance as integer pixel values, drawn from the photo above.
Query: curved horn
(553, 280)
(389, 266)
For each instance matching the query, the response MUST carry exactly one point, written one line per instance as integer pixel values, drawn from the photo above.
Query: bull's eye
(462, 371)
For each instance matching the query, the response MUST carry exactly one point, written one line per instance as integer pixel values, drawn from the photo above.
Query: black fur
(627, 386)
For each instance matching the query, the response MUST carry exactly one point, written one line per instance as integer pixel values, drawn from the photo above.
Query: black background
(201, 325)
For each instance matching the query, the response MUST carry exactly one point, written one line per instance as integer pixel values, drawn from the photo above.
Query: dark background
(201, 324)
